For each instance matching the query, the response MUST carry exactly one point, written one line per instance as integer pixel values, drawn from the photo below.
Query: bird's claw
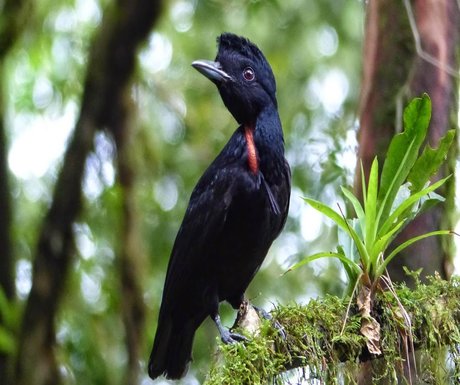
(229, 337)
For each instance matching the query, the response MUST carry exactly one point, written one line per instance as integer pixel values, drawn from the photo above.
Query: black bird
(236, 210)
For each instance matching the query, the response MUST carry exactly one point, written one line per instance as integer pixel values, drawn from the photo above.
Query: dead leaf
(364, 301)
(370, 328)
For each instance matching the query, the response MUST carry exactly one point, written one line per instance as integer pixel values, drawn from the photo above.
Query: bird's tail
(172, 350)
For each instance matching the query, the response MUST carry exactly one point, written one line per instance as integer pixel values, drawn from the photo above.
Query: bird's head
(243, 76)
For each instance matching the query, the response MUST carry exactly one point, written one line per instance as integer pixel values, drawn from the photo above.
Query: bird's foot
(229, 337)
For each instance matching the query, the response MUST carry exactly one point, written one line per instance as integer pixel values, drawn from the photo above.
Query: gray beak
(212, 70)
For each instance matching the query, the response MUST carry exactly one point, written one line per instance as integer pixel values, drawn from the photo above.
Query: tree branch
(315, 339)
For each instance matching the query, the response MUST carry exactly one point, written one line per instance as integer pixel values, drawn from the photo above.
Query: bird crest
(242, 45)
(231, 43)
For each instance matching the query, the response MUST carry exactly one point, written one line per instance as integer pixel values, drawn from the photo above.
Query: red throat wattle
(253, 162)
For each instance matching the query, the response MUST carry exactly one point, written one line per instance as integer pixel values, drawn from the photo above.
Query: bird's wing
(271, 198)
(203, 221)
(281, 190)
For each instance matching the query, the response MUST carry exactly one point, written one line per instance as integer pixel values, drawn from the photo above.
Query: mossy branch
(321, 336)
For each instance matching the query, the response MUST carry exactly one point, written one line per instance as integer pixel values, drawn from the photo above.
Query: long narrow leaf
(330, 213)
(401, 170)
(363, 184)
(357, 207)
(406, 244)
(371, 204)
(348, 269)
(351, 266)
(383, 241)
(408, 203)
(340, 221)
(363, 252)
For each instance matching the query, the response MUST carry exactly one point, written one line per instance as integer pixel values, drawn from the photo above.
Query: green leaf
(363, 184)
(370, 207)
(417, 117)
(7, 341)
(326, 210)
(406, 244)
(400, 159)
(407, 204)
(430, 201)
(382, 242)
(347, 246)
(363, 253)
(403, 152)
(350, 266)
(429, 162)
(389, 204)
(340, 221)
(357, 207)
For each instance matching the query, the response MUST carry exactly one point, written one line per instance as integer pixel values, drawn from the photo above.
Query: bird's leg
(226, 335)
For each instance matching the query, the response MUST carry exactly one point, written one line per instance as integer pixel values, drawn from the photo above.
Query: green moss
(317, 338)
(249, 363)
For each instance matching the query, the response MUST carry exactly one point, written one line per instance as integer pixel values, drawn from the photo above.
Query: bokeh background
(179, 126)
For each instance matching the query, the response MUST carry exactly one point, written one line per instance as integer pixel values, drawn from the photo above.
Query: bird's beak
(212, 70)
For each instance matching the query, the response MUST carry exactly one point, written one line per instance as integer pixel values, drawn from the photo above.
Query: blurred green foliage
(314, 48)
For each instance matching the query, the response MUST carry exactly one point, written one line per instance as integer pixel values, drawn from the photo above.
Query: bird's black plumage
(236, 210)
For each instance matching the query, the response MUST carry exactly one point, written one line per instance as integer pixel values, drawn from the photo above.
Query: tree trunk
(130, 255)
(12, 24)
(111, 64)
(130, 259)
(411, 48)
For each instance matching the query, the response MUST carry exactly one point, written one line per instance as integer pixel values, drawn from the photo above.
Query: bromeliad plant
(389, 203)
(402, 192)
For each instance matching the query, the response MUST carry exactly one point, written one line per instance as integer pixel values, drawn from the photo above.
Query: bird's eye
(249, 74)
